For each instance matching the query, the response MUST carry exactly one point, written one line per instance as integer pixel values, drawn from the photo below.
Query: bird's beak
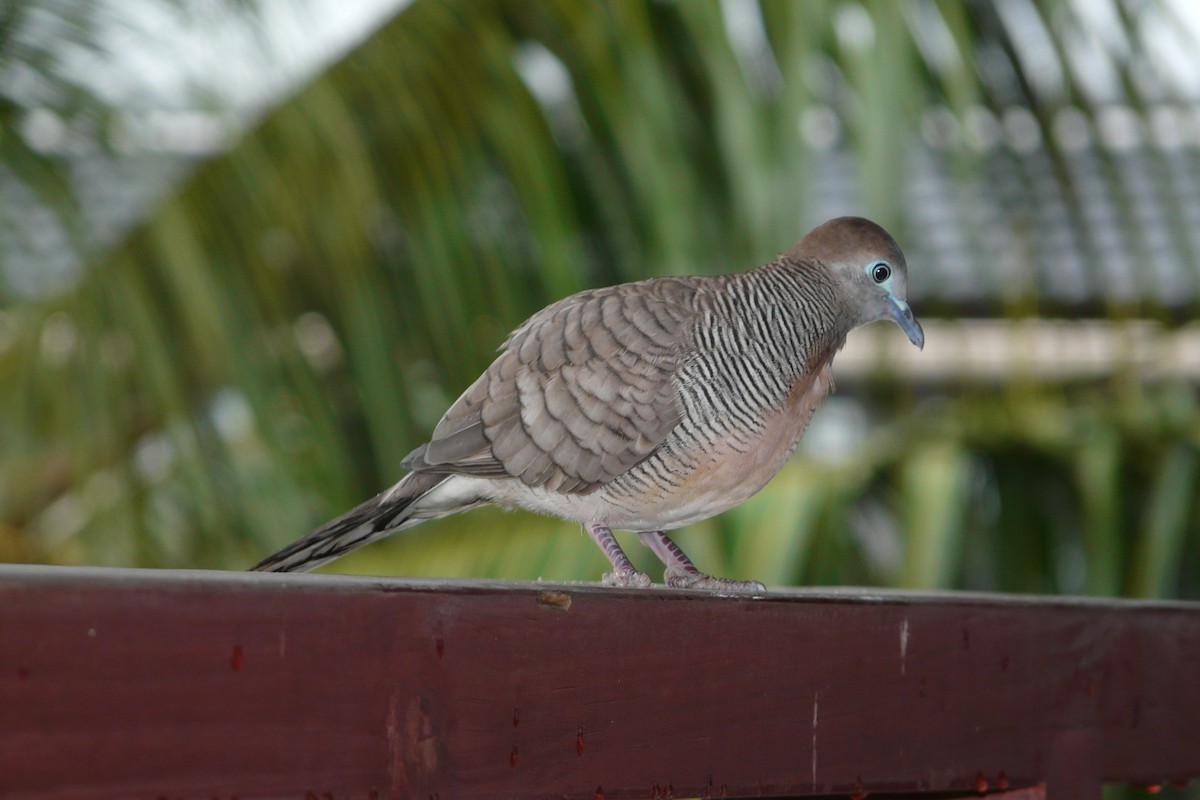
(905, 319)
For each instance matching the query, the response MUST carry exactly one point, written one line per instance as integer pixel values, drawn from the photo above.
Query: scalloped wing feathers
(580, 392)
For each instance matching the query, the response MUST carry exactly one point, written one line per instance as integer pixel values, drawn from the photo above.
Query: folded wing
(580, 393)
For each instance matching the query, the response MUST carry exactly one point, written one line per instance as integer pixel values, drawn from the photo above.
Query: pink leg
(682, 573)
(623, 573)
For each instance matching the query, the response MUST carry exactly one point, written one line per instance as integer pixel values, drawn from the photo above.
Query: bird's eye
(880, 272)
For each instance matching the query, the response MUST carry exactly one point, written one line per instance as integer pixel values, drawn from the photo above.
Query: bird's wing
(579, 394)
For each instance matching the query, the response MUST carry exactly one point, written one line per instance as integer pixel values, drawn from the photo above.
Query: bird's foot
(627, 579)
(685, 579)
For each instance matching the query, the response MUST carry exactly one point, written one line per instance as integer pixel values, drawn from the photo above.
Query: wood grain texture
(186, 684)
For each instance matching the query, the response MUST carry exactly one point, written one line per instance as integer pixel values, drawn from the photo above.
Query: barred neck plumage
(788, 312)
(757, 334)
(807, 315)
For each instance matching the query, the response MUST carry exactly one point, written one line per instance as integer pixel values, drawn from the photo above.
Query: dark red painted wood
(119, 683)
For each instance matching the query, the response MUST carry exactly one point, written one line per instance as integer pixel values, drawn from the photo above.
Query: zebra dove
(645, 406)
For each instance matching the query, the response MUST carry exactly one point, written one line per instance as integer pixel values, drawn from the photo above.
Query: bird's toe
(682, 579)
(628, 579)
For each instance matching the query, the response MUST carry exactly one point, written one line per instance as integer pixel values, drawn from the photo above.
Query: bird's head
(867, 264)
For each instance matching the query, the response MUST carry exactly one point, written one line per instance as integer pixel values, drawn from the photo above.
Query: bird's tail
(383, 514)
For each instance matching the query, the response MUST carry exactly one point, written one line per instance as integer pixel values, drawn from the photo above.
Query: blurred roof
(148, 95)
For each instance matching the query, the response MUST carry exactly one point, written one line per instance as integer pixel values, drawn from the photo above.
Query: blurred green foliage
(293, 318)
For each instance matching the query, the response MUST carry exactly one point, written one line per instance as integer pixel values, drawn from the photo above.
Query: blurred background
(250, 250)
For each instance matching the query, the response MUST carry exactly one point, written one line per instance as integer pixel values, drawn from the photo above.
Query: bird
(644, 406)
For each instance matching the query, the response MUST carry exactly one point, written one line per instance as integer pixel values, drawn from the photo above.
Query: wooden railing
(121, 683)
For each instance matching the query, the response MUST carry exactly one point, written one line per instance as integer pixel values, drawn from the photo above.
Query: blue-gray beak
(905, 319)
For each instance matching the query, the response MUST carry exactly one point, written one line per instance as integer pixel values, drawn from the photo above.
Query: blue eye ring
(880, 271)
